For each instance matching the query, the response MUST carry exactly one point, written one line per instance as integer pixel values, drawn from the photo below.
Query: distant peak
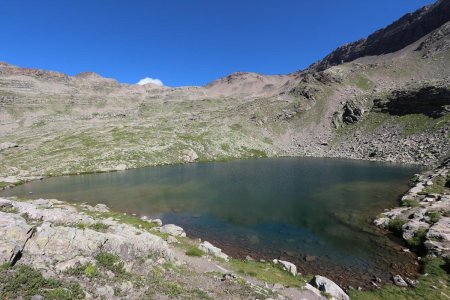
(88, 75)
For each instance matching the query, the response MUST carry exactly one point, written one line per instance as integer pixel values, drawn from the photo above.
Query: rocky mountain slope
(366, 100)
(394, 37)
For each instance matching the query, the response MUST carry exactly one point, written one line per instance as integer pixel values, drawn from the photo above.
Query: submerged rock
(327, 286)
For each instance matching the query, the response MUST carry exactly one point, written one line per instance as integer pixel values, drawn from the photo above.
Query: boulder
(438, 237)
(398, 281)
(101, 208)
(288, 266)
(189, 156)
(209, 248)
(121, 167)
(327, 286)
(172, 230)
(7, 145)
(411, 228)
(381, 222)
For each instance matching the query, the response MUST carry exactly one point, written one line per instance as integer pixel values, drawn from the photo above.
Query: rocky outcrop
(424, 218)
(62, 236)
(349, 114)
(403, 32)
(432, 101)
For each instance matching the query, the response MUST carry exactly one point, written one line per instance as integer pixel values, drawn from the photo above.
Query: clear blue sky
(185, 42)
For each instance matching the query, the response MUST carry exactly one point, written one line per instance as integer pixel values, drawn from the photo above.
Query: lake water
(314, 212)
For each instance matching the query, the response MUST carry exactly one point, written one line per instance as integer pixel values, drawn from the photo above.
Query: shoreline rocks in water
(91, 251)
(423, 221)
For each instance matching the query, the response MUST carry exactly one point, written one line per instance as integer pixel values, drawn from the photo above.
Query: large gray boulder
(327, 286)
(288, 266)
(209, 248)
(172, 229)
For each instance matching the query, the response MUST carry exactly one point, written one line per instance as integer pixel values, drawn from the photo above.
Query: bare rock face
(438, 237)
(432, 101)
(48, 237)
(327, 286)
(396, 36)
(350, 113)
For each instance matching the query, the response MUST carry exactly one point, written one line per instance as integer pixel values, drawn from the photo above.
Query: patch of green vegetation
(81, 226)
(194, 251)
(267, 272)
(433, 286)
(89, 270)
(110, 262)
(363, 82)
(173, 290)
(410, 203)
(4, 184)
(268, 141)
(4, 266)
(438, 186)
(417, 123)
(120, 217)
(225, 147)
(9, 209)
(395, 225)
(100, 227)
(417, 241)
(434, 215)
(248, 152)
(236, 127)
(30, 220)
(23, 282)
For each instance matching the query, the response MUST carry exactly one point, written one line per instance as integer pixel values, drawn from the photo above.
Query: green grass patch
(110, 262)
(8, 208)
(417, 241)
(100, 227)
(194, 251)
(434, 286)
(89, 270)
(120, 217)
(434, 215)
(410, 203)
(418, 123)
(267, 272)
(23, 282)
(395, 225)
(363, 82)
(438, 186)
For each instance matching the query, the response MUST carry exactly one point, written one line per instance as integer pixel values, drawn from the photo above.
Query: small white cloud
(150, 80)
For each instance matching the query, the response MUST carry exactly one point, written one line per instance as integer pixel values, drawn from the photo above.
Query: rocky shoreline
(94, 253)
(59, 239)
(423, 220)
